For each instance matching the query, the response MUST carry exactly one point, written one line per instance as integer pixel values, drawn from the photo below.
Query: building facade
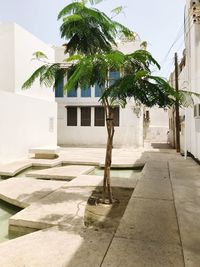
(28, 118)
(81, 118)
(189, 79)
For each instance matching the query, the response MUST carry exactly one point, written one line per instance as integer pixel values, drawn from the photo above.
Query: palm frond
(71, 9)
(48, 76)
(38, 73)
(39, 55)
(187, 98)
(117, 10)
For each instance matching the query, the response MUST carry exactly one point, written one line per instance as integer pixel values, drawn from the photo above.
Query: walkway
(160, 226)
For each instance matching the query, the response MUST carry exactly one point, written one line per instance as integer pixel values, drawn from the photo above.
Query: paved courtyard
(160, 226)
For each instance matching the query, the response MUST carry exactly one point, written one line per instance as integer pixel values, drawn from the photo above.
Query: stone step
(64, 173)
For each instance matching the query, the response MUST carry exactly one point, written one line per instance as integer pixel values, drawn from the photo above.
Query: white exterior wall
(129, 133)
(158, 126)
(130, 130)
(25, 123)
(192, 36)
(25, 115)
(7, 66)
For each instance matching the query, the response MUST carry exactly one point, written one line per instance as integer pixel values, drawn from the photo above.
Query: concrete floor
(160, 226)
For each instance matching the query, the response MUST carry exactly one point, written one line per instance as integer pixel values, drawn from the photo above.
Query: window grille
(71, 116)
(85, 116)
(99, 116)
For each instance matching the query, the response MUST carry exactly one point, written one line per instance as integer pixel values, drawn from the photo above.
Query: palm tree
(89, 30)
(136, 82)
(91, 36)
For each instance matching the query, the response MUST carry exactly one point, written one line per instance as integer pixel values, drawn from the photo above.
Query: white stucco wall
(192, 37)
(25, 116)
(158, 126)
(17, 47)
(25, 123)
(7, 66)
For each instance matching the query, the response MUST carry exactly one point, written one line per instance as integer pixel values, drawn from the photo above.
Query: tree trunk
(107, 190)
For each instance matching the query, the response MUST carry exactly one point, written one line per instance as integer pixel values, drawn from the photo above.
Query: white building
(189, 79)
(81, 117)
(28, 118)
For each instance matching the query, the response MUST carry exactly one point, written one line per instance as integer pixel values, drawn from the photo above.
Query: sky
(158, 22)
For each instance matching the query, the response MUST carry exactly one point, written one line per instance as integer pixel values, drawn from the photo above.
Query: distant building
(28, 118)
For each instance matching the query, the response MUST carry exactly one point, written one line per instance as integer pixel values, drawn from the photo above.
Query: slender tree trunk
(107, 190)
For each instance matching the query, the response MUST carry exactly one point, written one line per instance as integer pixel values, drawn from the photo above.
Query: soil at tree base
(105, 215)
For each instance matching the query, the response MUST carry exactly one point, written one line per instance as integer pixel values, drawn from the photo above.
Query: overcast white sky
(157, 21)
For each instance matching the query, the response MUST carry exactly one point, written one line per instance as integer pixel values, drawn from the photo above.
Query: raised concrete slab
(65, 206)
(12, 168)
(136, 253)
(45, 152)
(95, 180)
(56, 247)
(149, 220)
(22, 192)
(64, 173)
(154, 189)
(185, 177)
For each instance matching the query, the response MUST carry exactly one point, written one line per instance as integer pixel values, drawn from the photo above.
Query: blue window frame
(113, 76)
(72, 93)
(59, 89)
(98, 91)
(86, 92)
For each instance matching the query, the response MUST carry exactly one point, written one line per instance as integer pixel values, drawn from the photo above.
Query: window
(99, 116)
(59, 89)
(116, 116)
(71, 116)
(85, 116)
(113, 76)
(72, 93)
(98, 90)
(86, 92)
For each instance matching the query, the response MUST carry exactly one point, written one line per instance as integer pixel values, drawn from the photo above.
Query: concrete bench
(45, 152)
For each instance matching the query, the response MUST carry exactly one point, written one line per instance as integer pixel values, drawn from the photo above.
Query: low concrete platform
(22, 192)
(95, 180)
(45, 152)
(61, 173)
(12, 168)
(65, 206)
(160, 226)
(57, 247)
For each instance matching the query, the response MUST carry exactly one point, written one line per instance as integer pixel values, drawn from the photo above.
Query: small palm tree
(89, 30)
(136, 81)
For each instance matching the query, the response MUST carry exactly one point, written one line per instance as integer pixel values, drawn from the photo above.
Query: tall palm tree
(90, 36)
(88, 30)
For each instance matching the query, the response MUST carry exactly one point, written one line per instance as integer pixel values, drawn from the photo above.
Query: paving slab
(56, 247)
(149, 220)
(12, 168)
(154, 189)
(64, 173)
(22, 192)
(95, 180)
(65, 206)
(186, 187)
(135, 253)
